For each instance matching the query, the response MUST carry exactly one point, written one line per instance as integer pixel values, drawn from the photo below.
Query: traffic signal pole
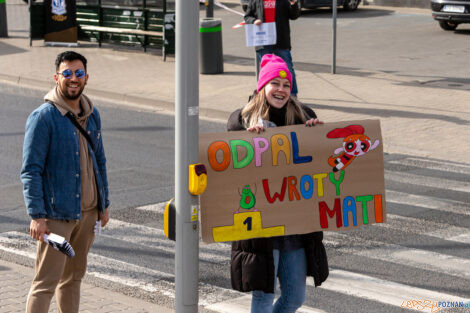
(334, 13)
(186, 153)
(209, 8)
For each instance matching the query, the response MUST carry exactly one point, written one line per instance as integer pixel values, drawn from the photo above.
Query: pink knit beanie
(272, 67)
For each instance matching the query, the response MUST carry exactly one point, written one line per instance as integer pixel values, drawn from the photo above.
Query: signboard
(61, 22)
(292, 180)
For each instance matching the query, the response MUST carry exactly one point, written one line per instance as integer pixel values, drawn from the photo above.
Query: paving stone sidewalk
(415, 118)
(16, 280)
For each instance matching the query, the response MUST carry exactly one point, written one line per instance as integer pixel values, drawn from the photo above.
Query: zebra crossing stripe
(127, 274)
(391, 196)
(426, 202)
(150, 280)
(420, 180)
(434, 165)
(368, 287)
(417, 258)
(427, 228)
(396, 222)
(220, 252)
(157, 207)
(243, 304)
(155, 238)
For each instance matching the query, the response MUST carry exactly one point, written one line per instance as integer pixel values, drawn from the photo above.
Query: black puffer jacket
(252, 264)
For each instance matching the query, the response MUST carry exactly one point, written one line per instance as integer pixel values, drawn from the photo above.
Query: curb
(147, 104)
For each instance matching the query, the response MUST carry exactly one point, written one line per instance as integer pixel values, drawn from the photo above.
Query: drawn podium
(246, 225)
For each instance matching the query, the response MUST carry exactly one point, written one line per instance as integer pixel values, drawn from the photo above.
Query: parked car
(450, 13)
(349, 5)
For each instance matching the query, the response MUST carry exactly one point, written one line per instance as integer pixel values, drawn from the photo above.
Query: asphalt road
(139, 148)
(421, 253)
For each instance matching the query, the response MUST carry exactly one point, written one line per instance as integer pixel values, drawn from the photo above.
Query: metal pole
(335, 10)
(209, 8)
(257, 64)
(3, 19)
(30, 24)
(186, 152)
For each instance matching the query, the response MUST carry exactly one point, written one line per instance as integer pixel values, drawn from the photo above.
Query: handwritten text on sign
(292, 180)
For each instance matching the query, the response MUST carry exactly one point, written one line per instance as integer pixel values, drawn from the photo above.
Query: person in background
(65, 184)
(280, 12)
(255, 263)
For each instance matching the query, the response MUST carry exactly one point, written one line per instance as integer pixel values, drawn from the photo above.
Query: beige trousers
(55, 272)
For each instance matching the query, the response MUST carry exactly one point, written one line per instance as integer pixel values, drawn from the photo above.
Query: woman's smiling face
(277, 92)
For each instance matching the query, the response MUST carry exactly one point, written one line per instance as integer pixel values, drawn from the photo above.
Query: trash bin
(211, 60)
(3, 19)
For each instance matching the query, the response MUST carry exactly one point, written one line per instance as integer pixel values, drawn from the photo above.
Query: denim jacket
(51, 164)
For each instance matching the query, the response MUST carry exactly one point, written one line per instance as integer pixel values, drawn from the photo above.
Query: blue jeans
(286, 56)
(291, 267)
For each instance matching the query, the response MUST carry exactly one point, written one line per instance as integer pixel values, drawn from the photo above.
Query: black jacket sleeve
(252, 265)
(294, 11)
(308, 112)
(317, 260)
(235, 121)
(253, 12)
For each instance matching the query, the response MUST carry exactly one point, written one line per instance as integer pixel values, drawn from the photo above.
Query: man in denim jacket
(65, 184)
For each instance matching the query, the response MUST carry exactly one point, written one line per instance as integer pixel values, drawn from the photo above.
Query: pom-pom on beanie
(272, 67)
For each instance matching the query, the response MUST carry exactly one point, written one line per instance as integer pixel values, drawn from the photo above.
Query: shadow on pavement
(391, 113)
(12, 134)
(359, 13)
(440, 82)
(247, 73)
(426, 82)
(6, 49)
(138, 128)
(462, 32)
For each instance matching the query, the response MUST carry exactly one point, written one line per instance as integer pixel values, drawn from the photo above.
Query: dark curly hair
(69, 56)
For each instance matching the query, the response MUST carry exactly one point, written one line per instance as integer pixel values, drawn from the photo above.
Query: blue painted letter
(295, 151)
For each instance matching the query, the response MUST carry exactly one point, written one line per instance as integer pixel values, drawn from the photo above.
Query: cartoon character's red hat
(345, 132)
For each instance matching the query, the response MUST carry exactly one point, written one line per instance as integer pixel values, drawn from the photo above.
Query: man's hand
(257, 22)
(104, 218)
(292, 2)
(38, 228)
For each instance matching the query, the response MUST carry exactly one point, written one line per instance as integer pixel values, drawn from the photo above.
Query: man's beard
(72, 97)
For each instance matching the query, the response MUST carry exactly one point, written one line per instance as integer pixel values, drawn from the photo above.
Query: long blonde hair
(258, 107)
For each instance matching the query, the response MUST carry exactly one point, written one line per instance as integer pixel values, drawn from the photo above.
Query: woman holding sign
(257, 262)
(277, 12)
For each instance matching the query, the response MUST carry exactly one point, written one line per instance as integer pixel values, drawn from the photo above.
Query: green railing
(151, 18)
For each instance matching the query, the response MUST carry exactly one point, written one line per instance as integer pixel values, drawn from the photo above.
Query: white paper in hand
(60, 244)
(263, 35)
(98, 228)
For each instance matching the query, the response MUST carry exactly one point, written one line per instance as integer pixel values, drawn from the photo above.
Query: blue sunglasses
(68, 73)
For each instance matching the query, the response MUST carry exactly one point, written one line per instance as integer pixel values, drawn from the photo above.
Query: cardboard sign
(292, 180)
